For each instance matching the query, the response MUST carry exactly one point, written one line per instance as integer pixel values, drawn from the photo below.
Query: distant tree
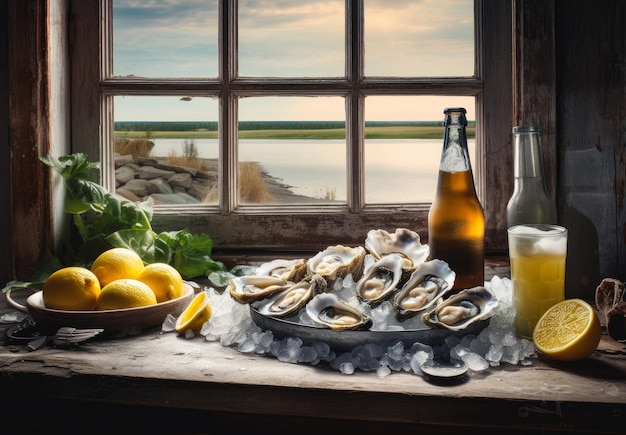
(190, 149)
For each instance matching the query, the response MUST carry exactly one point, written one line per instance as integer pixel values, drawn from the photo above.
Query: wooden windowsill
(163, 382)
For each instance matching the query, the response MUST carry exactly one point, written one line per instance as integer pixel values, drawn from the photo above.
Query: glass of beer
(537, 253)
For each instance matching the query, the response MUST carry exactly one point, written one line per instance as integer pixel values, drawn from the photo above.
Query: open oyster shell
(292, 298)
(462, 309)
(403, 241)
(250, 288)
(382, 279)
(289, 270)
(330, 311)
(426, 286)
(338, 262)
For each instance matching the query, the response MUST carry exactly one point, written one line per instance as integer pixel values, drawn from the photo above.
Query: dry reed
(134, 147)
(252, 188)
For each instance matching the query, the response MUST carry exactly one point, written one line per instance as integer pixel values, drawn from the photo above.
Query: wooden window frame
(512, 32)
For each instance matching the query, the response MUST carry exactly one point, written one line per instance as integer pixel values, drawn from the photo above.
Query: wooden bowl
(109, 320)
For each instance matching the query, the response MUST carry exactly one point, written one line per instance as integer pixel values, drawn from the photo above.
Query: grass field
(378, 132)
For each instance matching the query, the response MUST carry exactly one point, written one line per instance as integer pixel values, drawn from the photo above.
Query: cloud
(169, 38)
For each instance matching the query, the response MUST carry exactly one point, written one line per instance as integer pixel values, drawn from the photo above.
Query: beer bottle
(530, 202)
(456, 222)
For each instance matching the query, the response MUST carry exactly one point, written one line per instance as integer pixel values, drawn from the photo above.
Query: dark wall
(591, 134)
(5, 157)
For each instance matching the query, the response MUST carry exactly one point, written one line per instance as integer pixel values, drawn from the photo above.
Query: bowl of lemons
(117, 293)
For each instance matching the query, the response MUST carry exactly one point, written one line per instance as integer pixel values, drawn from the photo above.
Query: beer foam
(537, 241)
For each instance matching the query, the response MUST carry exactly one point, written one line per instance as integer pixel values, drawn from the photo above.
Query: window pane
(292, 150)
(291, 38)
(403, 142)
(426, 38)
(165, 39)
(166, 148)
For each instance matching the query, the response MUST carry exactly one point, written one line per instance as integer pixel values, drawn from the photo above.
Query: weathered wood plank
(592, 137)
(31, 220)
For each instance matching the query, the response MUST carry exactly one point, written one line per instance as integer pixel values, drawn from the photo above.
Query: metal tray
(348, 340)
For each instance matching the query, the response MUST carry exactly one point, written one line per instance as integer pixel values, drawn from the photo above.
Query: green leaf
(144, 242)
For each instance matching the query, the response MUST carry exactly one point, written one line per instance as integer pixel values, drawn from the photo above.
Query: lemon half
(568, 331)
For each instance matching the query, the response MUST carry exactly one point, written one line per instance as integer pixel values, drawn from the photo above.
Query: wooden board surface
(165, 371)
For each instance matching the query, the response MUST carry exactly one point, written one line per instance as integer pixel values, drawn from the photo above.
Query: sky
(290, 38)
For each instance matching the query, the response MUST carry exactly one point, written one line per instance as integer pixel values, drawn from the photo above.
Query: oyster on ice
(462, 309)
(338, 262)
(289, 270)
(424, 288)
(292, 298)
(403, 241)
(250, 288)
(381, 279)
(330, 311)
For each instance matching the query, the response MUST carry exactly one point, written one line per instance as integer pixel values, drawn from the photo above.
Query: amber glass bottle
(456, 222)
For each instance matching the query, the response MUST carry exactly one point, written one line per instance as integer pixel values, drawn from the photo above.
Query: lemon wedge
(195, 315)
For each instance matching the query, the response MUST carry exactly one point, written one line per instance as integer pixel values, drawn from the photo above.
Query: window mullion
(354, 105)
(228, 106)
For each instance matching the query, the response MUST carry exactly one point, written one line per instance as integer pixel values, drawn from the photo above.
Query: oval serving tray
(109, 320)
(348, 340)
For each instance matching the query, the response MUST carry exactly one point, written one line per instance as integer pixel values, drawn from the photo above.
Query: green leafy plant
(105, 220)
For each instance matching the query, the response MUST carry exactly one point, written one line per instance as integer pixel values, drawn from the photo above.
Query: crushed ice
(231, 325)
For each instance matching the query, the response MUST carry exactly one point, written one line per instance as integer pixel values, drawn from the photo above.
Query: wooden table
(161, 382)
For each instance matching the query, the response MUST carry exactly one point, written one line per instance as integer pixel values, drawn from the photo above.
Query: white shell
(292, 298)
(381, 279)
(462, 309)
(404, 241)
(338, 262)
(330, 311)
(424, 288)
(289, 270)
(250, 288)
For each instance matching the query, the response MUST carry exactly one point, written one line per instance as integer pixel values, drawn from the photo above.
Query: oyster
(403, 241)
(250, 288)
(338, 262)
(381, 279)
(330, 311)
(425, 287)
(460, 310)
(289, 270)
(292, 298)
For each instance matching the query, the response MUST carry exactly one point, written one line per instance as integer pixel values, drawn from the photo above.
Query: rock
(159, 185)
(150, 172)
(137, 187)
(174, 198)
(181, 180)
(124, 174)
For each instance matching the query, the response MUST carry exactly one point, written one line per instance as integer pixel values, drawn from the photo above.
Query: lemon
(125, 293)
(164, 280)
(195, 315)
(71, 288)
(117, 263)
(568, 331)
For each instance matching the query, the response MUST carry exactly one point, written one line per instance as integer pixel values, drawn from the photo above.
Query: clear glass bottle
(456, 221)
(530, 202)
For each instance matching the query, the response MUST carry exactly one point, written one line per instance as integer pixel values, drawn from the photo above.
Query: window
(360, 78)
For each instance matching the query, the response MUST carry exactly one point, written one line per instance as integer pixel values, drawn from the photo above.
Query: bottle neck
(455, 155)
(528, 160)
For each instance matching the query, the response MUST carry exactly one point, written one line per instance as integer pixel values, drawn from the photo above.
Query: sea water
(395, 171)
